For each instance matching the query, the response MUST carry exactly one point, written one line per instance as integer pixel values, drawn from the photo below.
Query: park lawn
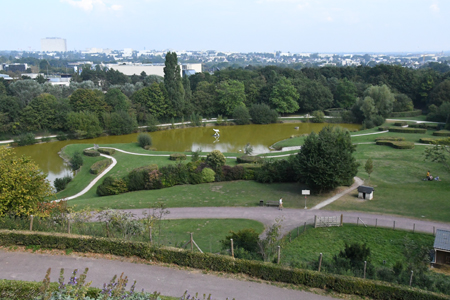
(227, 193)
(385, 244)
(207, 233)
(399, 186)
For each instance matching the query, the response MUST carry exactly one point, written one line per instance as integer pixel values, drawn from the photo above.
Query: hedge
(27, 290)
(90, 152)
(248, 159)
(427, 140)
(99, 166)
(412, 113)
(106, 151)
(177, 156)
(150, 148)
(425, 125)
(396, 144)
(442, 133)
(390, 138)
(266, 271)
(402, 123)
(334, 112)
(383, 128)
(407, 130)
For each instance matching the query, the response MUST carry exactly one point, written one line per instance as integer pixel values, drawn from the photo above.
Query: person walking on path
(280, 207)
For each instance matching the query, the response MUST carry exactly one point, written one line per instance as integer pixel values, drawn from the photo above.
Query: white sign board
(305, 192)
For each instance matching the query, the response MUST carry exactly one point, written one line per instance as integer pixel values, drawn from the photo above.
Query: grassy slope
(385, 244)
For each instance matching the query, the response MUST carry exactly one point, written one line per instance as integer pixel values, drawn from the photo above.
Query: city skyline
(297, 26)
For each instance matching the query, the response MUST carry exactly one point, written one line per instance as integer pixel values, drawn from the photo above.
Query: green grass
(231, 193)
(385, 244)
(207, 233)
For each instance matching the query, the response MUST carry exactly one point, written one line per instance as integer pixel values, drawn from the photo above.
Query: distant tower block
(53, 44)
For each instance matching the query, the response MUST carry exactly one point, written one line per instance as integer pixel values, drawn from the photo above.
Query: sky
(296, 26)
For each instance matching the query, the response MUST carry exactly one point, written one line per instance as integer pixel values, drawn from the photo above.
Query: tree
(314, 96)
(402, 103)
(117, 100)
(383, 99)
(230, 94)
(262, 114)
(267, 246)
(25, 90)
(144, 140)
(369, 167)
(440, 153)
(203, 99)
(326, 160)
(215, 159)
(441, 93)
(88, 100)
(84, 124)
(241, 115)
(120, 122)
(153, 99)
(76, 161)
(40, 113)
(345, 95)
(173, 83)
(23, 186)
(284, 96)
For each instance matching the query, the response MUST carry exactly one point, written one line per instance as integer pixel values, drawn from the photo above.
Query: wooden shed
(442, 247)
(365, 192)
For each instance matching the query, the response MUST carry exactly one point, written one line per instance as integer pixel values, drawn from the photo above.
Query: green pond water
(231, 139)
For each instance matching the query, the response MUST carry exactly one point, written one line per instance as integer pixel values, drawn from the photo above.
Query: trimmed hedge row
(383, 128)
(412, 113)
(177, 156)
(427, 140)
(390, 138)
(425, 125)
(27, 290)
(442, 133)
(396, 144)
(99, 166)
(265, 271)
(150, 148)
(408, 130)
(402, 123)
(90, 152)
(248, 159)
(106, 151)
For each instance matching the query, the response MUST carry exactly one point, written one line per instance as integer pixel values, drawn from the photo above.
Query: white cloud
(434, 7)
(89, 5)
(116, 7)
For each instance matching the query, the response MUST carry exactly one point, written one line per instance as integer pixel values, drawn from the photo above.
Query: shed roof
(365, 189)
(442, 240)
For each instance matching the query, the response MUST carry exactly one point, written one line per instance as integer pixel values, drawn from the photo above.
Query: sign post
(306, 193)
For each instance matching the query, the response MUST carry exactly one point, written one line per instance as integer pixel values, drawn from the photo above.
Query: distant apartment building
(53, 44)
(152, 69)
(15, 67)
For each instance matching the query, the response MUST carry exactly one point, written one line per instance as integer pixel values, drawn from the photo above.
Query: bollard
(278, 254)
(376, 223)
(68, 226)
(410, 279)
(320, 261)
(357, 221)
(342, 220)
(31, 222)
(365, 268)
(232, 248)
(394, 226)
(414, 227)
(304, 227)
(434, 230)
(192, 243)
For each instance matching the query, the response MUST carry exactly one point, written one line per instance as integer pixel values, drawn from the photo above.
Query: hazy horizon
(296, 26)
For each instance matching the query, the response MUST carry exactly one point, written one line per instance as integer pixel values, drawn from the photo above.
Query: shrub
(208, 175)
(177, 156)
(318, 116)
(402, 123)
(442, 133)
(427, 140)
(407, 130)
(144, 140)
(233, 173)
(76, 161)
(246, 239)
(383, 128)
(276, 171)
(414, 113)
(173, 175)
(425, 125)
(378, 120)
(25, 139)
(91, 152)
(150, 148)
(61, 136)
(111, 186)
(390, 138)
(241, 115)
(247, 159)
(99, 166)
(106, 151)
(152, 123)
(215, 159)
(396, 144)
(262, 114)
(205, 261)
(61, 183)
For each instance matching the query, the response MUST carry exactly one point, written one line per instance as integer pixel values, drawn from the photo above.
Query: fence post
(342, 220)
(68, 226)
(192, 243)
(150, 234)
(414, 227)
(278, 254)
(298, 231)
(304, 227)
(410, 279)
(320, 261)
(434, 230)
(365, 267)
(290, 237)
(31, 222)
(315, 221)
(394, 225)
(376, 223)
(232, 248)
(357, 221)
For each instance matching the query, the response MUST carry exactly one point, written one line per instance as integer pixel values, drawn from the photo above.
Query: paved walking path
(167, 281)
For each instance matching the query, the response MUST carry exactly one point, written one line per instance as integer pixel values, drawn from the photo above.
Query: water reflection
(231, 139)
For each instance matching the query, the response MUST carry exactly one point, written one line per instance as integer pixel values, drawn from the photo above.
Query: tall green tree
(326, 160)
(204, 100)
(173, 83)
(25, 90)
(153, 99)
(88, 100)
(230, 94)
(40, 113)
(284, 96)
(383, 98)
(345, 95)
(314, 95)
(84, 124)
(117, 100)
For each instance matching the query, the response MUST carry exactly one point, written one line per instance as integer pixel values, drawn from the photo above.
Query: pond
(231, 139)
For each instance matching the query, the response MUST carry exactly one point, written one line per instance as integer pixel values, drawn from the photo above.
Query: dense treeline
(99, 100)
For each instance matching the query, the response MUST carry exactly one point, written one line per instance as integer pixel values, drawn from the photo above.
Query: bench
(272, 203)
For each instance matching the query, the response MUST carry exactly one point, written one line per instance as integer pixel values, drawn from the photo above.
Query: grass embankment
(385, 244)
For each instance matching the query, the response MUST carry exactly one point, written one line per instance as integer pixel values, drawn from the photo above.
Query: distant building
(441, 248)
(53, 44)
(153, 69)
(365, 192)
(15, 67)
